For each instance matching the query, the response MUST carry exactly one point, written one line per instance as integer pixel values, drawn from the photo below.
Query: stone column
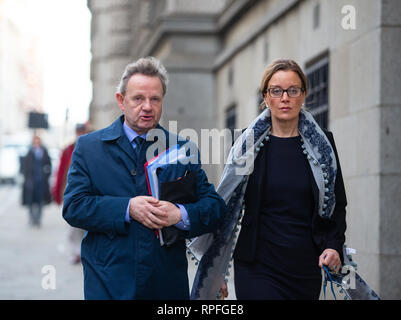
(111, 52)
(366, 101)
(390, 151)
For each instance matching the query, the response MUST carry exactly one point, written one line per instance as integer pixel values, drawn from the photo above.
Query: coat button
(133, 172)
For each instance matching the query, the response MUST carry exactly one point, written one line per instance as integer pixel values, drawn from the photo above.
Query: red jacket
(61, 179)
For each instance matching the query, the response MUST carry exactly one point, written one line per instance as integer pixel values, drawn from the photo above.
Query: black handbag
(180, 191)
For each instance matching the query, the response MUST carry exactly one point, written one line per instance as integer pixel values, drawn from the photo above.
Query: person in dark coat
(36, 169)
(294, 218)
(107, 195)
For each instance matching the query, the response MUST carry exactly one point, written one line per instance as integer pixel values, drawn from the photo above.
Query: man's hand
(173, 212)
(149, 212)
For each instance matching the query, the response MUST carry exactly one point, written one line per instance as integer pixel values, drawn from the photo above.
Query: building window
(316, 16)
(230, 78)
(265, 49)
(231, 119)
(317, 101)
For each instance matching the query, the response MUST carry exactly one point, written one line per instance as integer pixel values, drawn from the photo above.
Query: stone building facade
(216, 52)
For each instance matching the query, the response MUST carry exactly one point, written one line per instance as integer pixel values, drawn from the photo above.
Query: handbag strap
(327, 277)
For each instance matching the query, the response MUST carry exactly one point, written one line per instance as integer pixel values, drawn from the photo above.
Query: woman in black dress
(288, 233)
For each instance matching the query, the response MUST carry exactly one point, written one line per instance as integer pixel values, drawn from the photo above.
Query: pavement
(35, 263)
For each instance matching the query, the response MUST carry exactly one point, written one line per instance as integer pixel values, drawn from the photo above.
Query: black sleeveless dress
(286, 264)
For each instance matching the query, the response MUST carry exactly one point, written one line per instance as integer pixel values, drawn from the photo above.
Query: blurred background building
(216, 51)
(21, 86)
(33, 73)
(44, 71)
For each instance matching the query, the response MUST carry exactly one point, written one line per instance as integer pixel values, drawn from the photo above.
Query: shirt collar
(130, 133)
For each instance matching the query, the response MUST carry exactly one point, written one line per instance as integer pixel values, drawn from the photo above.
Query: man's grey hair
(148, 66)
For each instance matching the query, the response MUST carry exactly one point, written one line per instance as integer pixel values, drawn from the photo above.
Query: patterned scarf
(213, 251)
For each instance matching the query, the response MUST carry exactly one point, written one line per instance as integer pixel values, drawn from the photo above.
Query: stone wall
(364, 107)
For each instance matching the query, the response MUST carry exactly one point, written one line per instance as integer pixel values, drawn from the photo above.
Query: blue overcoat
(124, 260)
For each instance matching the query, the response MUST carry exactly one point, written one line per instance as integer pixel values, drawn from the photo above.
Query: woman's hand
(331, 259)
(224, 290)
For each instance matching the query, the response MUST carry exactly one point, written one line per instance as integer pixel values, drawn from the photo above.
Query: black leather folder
(179, 191)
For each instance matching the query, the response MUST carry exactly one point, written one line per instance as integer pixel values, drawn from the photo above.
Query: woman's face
(36, 142)
(285, 108)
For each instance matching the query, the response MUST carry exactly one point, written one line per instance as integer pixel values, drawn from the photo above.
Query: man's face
(142, 102)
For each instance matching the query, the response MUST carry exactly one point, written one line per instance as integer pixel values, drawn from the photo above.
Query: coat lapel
(115, 134)
(126, 146)
(254, 190)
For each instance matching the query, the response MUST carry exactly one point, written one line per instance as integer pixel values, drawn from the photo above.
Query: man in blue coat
(107, 195)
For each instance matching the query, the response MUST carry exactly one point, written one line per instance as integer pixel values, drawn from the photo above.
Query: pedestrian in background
(36, 169)
(75, 234)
